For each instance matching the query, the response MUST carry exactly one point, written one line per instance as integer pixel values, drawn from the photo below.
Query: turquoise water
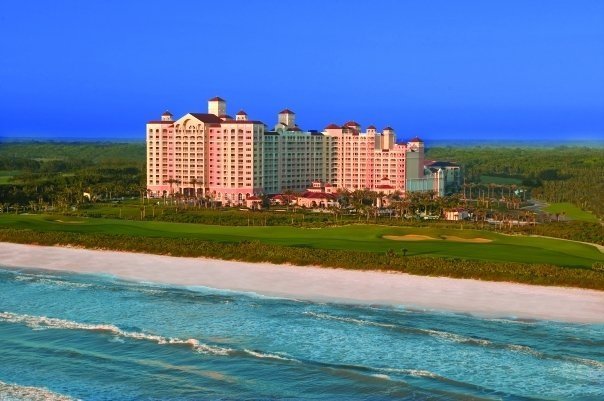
(100, 338)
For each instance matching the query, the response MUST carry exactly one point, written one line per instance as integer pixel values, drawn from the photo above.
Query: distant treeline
(59, 173)
(255, 251)
(561, 174)
(26, 155)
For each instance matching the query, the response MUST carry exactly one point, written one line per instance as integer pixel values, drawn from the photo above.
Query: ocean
(70, 336)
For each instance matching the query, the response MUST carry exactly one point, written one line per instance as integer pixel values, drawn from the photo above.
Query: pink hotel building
(231, 160)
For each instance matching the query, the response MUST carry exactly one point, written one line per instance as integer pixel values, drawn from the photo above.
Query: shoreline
(480, 298)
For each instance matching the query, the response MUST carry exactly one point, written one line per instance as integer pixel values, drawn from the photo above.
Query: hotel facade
(229, 160)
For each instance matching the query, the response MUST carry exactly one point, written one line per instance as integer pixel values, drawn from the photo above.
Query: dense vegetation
(562, 174)
(57, 174)
(255, 251)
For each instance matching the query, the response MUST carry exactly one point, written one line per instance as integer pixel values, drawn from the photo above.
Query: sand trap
(452, 238)
(70, 222)
(321, 284)
(472, 240)
(409, 237)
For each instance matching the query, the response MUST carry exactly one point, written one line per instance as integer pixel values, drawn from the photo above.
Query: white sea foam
(49, 280)
(259, 354)
(14, 392)
(456, 337)
(411, 372)
(381, 376)
(43, 322)
(349, 320)
(435, 333)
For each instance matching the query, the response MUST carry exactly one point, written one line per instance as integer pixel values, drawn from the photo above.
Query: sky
(472, 70)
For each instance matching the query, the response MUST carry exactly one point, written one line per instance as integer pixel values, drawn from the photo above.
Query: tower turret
(388, 138)
(241, 116)
(414, 158)
(217, 106)
(166, 116)
(287, 118)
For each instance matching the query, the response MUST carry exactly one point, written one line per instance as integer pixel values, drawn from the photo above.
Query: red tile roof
(333, 126)
(371, 127)
(167, 113)
(415, 139)
(242, 122)
(241, 113)
(284, 196)
(159, 122)
(206, 118)
(216, 99)
(384, 186)
(352, 124)
(286, 111)
(317, 195)
(388, 128)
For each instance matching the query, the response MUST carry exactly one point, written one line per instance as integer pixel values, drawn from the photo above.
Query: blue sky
(439, 69)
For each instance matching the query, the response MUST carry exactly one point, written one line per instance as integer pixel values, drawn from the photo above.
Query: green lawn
(490, 179)
(357, 237)
(6, 175)
(571, 211)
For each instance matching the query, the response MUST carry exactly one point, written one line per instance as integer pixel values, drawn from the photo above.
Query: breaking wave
(14, 392)
(37, 322)
(460, 339)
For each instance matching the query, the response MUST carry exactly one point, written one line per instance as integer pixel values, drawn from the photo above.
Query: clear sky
(439, 69)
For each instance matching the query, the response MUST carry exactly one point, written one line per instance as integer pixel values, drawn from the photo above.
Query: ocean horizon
(594, 142)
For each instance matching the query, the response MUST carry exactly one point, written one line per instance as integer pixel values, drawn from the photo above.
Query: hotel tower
(232, 159)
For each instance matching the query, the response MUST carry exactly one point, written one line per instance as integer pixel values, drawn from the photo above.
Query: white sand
(481, 298)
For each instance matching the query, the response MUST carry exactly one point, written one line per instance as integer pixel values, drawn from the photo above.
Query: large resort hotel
(232, 160)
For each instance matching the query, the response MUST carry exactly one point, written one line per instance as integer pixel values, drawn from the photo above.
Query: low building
(456, 214)
(318, 195)
(451, 174)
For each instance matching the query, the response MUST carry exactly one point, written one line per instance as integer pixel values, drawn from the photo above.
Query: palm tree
(194, 181)
(171, 181)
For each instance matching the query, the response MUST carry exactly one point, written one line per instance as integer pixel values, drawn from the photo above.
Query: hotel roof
(206, 118)
(333, 126)
(415, 139)
(241, 113)
(167, 113)
(317, 195)
(286, 111)
(217, 99)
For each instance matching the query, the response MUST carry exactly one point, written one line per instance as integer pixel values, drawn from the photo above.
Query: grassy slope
(572, 211)
(358, 237)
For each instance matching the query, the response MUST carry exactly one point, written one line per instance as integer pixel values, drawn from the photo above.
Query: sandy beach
(481, 298)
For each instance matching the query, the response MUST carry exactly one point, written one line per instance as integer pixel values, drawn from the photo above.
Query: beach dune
(481, 298)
